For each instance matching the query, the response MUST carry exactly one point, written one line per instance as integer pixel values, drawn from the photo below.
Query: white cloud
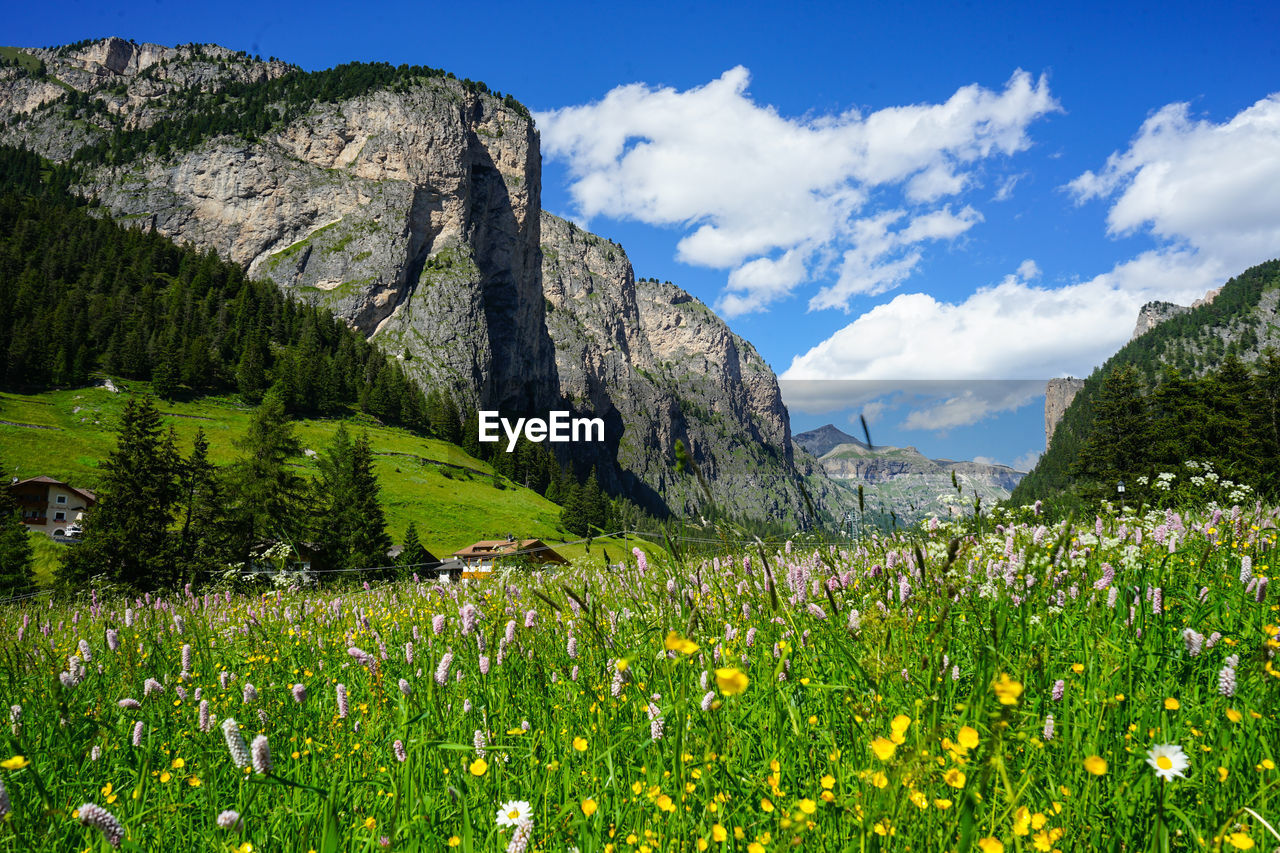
(874, 411)
(882, 258)
(972, 404)
(773, 198)
(1013, 330)
(1005, 191)
(1200, 189)
(1198, 184)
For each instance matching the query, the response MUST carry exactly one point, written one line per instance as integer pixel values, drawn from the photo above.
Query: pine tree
(165, 373)
(333, 499)
(16, 575)
(1119, 444)
(412, 555)
(202, 541)
(127, 535)
(352, 529)
(268, 494)
(595, 505)
(574, 516)
(251, 372)
(369, 539)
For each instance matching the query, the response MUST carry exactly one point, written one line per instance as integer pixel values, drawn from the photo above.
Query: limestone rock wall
(1058, 394)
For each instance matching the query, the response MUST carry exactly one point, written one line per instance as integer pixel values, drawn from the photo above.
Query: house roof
(506, 547)
(49, 481)
(40, 479)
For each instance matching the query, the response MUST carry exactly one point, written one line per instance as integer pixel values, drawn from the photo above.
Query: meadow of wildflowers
(1109, 685)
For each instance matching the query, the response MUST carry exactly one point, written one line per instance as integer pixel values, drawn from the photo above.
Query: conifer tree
(574, 516)
(1120, 442)
(595, 505)
(165, 373)
(202, 538)
(352, 529)
(369, 539)
(126, 536)
(412, 555)
(268, 493)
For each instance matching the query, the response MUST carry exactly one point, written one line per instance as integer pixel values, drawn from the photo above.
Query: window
(62, 499)
(59, 516)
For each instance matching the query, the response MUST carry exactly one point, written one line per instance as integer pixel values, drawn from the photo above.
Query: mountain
(902, 481)
(1230, 330)
(661, 366)
(408, 203)
(822, 440)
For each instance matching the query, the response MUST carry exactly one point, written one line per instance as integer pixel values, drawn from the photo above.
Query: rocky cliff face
(137, 83)
(1058, 394)
(1154, 313)
(414, 213)
(660, 366)
(904, 481)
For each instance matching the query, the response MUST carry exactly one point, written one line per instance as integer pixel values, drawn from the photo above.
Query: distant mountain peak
(824, 439)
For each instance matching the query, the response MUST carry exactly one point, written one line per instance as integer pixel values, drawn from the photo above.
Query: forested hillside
(79, 293)
(1203, 386)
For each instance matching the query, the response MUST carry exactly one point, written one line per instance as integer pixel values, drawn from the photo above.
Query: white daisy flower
(514, 812)
(1168, 760)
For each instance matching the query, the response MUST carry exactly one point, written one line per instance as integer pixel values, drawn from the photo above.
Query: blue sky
(866, 192)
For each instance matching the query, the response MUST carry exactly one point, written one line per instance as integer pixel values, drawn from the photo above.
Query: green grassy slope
(451, 496)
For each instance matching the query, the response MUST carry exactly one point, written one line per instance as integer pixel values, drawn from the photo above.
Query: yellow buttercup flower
(1240, 841)
(954, 778)
(968, 737)
(580, 744)
(1234, 716)
(1007, 690)
(990, 844)
(719, 833)
(478, 767)
(808, 806)
(16, 763)
(883, 748)
(588, 807)
(1096, 765)
(1172, 704)
(677, 643)
(731, 681)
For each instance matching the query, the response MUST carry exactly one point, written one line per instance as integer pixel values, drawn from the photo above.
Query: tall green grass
(891, 696)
